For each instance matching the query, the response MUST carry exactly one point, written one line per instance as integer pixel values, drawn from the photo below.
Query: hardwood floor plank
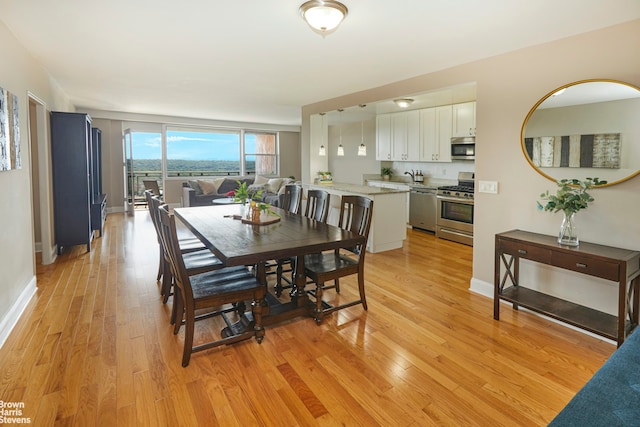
(95, 347)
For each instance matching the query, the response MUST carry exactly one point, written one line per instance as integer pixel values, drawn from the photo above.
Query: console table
(610, 263)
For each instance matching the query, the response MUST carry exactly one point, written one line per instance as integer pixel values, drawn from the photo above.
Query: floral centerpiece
(570, 198)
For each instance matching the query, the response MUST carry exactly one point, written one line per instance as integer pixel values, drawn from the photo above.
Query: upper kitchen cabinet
(464, 119)
(398, 136)
(383, 137)
(435, 134)
(405, 135)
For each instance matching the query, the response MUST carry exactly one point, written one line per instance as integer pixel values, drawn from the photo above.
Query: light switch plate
(488, 187)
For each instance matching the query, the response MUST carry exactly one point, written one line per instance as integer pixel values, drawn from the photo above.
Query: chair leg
(336, 284)
(160, 263)
(178, 312)
(319, 313)
(188, 337)
(278, 287)
(361, 290)
(167, 283)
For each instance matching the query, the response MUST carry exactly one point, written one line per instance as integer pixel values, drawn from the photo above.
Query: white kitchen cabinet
(398, 136)
(405, 135)
(464, 119)
(383, 137)
(435, 134)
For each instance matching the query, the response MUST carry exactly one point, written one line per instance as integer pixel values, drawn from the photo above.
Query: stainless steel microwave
(463, 148)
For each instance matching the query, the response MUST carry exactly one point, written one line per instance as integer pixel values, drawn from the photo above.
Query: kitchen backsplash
(444, 171)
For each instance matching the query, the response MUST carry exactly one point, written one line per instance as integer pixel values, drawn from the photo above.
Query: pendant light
(362, 149)
(322, 151)
(340, 147)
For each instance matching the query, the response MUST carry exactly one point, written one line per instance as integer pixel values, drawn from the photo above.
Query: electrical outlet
(488, 187)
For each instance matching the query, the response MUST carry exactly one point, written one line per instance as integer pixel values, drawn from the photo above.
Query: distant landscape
(191, 167)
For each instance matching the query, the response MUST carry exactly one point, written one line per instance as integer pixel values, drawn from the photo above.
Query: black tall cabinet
(77, 183)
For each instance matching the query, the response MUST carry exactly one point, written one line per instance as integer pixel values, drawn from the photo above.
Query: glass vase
(568, 231)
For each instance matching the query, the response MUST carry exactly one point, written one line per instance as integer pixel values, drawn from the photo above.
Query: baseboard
(11, 319)
(486, 289)
(115, 210)
(481, 287)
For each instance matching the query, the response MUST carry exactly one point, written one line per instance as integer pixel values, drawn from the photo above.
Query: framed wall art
(9, 131)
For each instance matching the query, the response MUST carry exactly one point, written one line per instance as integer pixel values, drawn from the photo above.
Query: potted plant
(570, 198)
(386, 173)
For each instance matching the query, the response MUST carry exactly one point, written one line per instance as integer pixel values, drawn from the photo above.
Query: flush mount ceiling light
(323, 16)
(403, 102)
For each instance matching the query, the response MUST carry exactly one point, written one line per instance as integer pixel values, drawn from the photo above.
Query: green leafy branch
(571, 195)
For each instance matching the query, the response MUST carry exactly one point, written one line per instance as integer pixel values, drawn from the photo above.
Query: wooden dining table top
(237, 243)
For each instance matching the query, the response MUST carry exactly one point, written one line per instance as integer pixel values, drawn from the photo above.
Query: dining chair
(187, 244)
(317, 208)
(152, 185)
(355, 215)
(291, 200)
(197, 258)
(218, 293)
(317, 205)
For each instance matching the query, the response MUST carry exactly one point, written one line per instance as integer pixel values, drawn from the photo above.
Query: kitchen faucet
(412, 173)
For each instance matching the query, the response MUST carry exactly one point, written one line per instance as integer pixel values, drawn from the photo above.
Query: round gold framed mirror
(588, 128)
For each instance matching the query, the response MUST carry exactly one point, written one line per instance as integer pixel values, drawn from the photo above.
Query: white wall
(20, 74)
(350, 167)
(507, 88)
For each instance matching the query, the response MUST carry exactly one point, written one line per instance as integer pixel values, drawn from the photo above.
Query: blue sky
(189, 145)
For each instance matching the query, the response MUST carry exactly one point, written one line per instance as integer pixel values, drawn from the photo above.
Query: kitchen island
(388, 225)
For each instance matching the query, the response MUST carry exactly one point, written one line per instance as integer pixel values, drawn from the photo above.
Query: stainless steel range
(454, 220)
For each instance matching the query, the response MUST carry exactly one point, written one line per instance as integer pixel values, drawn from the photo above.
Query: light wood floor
(95, 347)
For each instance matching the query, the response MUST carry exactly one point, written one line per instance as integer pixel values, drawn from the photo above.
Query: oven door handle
(455, 200)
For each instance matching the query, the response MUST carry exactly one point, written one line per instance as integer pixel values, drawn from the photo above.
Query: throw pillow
(273, 185)
(210, 186)
(260, 180)
(194, 184)
(227, 185)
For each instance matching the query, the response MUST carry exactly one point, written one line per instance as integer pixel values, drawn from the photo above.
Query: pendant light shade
(362, 149)
(323, 16)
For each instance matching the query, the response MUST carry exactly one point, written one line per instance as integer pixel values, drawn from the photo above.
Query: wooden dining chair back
(317, 205)
(355, 215)
(317, 208)
(148, 195)
(152, 185)
(292, 198)
(218, 293)
(198, 259)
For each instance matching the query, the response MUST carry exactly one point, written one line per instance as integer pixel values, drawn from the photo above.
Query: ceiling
(257, 61)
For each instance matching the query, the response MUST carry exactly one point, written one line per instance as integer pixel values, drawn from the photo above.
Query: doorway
(40, 180)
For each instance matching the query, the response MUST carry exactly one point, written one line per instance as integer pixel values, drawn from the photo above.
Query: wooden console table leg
(496, 286)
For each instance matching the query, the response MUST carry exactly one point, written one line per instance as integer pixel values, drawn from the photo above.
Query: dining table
(235, 240)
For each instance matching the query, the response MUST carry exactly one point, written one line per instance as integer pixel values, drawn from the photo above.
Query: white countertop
(365, 190)
(431, 183)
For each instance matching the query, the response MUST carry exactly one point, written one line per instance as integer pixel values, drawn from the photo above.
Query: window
(260, 156)
(202, 152)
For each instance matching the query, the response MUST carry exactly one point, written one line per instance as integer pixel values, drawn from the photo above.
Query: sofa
(612, 396)
(202, 192)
